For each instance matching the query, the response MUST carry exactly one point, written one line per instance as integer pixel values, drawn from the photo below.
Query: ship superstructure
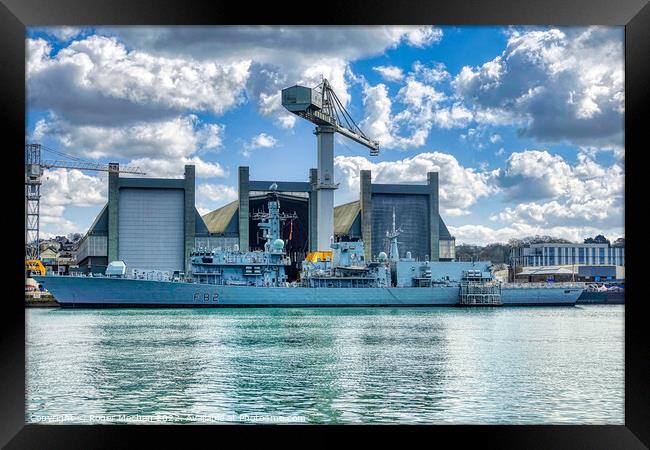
(346, 269)
(255, 268)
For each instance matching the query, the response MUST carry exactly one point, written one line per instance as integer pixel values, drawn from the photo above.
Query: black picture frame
(15, 15)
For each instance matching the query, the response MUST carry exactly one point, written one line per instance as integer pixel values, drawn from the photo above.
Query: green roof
(344, 216)
(217, 221)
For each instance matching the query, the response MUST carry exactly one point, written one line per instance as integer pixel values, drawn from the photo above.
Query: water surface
(323, 365)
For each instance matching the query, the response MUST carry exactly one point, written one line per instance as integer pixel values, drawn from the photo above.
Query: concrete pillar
(365, 199)
(434, 216)
(326, 186)
(244, 191)
(190, 214)
(113, 211)
(313, 216)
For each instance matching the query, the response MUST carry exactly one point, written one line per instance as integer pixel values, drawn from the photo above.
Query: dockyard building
(149, 223)
(153, 224)
(567, 261)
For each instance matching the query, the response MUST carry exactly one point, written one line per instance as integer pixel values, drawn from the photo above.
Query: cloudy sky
(524, 124)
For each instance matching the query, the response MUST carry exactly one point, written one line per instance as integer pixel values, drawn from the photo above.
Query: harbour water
(524, 365)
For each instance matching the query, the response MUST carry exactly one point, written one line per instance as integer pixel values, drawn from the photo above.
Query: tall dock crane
(321, 106)
(34, 166)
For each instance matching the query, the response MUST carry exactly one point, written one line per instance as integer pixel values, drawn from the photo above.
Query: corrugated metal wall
(151, 228)
(411, 215)
(92, 246)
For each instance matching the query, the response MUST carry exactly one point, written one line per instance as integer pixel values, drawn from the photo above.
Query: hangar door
(411, 215)
(151, 228)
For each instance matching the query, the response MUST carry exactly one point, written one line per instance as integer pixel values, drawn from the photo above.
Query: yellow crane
(34, 266)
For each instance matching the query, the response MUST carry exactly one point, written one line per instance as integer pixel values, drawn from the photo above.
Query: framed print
(383, 214)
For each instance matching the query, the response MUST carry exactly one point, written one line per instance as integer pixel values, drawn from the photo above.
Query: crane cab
(302, 99)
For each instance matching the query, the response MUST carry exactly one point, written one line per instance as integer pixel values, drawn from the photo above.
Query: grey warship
(233, 278)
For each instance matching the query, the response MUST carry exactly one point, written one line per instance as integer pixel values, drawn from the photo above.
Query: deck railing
(542, 284)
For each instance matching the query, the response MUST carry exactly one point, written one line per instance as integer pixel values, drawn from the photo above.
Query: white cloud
(378, 123)
(262, 140)
(456, 116)
(168, 139)
(175, 168)
(481, 234)
(495, 138)
(424, 36)
(62, 188)
(160, 149)
(286, 120)
(423, 106)
(460, 187)
(390, 73)
(52, 226)
(559, 84)
(280, 45)
(537, 174)
(127, 74)
(436, 73)
(61, 33)
(382, 125)
(98, 80)
(217, 194)
(281, 56)
(556, 193)
(418, 95)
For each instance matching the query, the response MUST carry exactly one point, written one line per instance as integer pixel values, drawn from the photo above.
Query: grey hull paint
(116, 292)
(615, 298)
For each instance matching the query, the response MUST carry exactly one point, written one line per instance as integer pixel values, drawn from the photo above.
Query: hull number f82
(205, 297)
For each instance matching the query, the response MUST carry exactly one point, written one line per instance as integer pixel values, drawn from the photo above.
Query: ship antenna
(392, 236)
(274, 191)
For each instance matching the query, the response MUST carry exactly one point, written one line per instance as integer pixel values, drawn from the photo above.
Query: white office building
(583, 260)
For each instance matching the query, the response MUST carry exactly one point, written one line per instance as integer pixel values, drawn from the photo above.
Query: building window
(581, 255)
(601, 255)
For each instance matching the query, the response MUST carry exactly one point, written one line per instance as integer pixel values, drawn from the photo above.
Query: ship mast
(392, 236)
(270, 221)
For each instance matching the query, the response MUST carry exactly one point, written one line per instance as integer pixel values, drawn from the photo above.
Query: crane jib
(321, 106)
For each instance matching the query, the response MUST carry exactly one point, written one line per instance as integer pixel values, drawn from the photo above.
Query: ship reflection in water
(340, 365)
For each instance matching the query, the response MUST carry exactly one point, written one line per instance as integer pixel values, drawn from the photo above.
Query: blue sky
(524, 124)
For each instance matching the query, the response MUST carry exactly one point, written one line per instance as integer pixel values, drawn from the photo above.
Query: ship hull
(80, 292)
(612, 298)
(540, 296)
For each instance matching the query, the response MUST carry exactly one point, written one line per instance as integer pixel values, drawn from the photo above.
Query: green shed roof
(344, 216)
(217, 221)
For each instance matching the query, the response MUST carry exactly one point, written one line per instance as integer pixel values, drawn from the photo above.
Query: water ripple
(350, 365)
